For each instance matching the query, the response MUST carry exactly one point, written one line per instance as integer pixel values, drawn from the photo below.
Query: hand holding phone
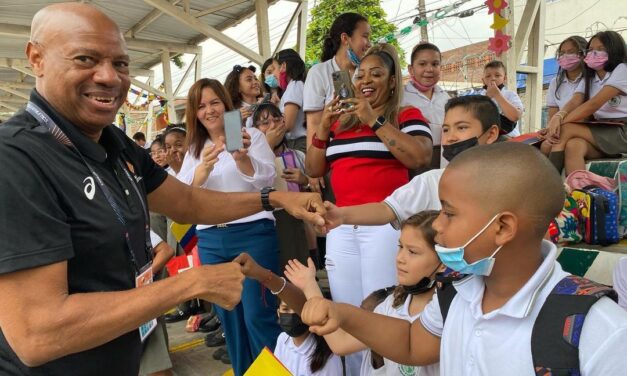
(343, 85)
(233, 130)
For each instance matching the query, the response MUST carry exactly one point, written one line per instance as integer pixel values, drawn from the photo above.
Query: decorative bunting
(499, 22)
(500, 43)
(495, 6)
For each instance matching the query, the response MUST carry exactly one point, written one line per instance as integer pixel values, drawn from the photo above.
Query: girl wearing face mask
(368, 144)
(291, 77)
(416, 266)
(569, 54)
(244, 89)
(424, 93)
(593, 124)
(301, 352)
(270, 81)
(251, 325)
(343, 48)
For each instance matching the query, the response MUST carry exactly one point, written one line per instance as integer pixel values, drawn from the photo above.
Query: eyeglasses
(239, 68)
(267, 121)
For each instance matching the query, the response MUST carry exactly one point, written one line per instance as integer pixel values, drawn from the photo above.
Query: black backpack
(557, 329)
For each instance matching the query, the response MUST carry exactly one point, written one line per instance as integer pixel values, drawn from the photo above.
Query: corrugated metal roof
(17, 15)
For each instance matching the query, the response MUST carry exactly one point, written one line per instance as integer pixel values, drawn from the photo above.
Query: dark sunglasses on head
(239, 68)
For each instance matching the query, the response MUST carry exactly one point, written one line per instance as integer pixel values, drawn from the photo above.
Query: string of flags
(501, 41)
(419, 22)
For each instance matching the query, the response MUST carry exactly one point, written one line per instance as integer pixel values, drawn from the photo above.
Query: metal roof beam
(147, 20)
(148, 88)
(289, 27)
(217, 8)
(10, 30)
(9, 107)
(151, 45)
(205, 29)
(16, 92)
(16, 85)
(11, 99)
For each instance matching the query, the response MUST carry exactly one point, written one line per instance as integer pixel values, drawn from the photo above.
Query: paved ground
(189, 354)
(191, 357)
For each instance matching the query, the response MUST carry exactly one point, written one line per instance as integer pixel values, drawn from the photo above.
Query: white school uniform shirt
(499, 342)
(565, 92)
(226, 177)
(616, 107)
(294, 94)
(432, 109)
(421, 193)
(296, 358)
(392, 368)
(620, 282)
(319, 89)
(513, 98)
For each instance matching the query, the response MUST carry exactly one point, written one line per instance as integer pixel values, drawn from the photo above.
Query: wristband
(265, 198)
(378, 124)
(318, 143)
(282, 287)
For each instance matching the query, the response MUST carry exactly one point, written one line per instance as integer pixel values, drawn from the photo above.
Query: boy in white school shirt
(489, 227)
(508, 101)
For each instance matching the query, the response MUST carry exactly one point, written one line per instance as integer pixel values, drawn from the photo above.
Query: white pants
(360, 260)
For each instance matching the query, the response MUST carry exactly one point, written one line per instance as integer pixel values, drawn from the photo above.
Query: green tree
(325, 12)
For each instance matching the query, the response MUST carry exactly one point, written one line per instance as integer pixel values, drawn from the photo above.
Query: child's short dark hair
(495, 64)
(139, 136)
(175, 128)
(480, 106)
(424, 46)
(263, 107)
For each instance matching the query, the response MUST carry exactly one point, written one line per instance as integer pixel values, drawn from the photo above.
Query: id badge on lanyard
(144, 278)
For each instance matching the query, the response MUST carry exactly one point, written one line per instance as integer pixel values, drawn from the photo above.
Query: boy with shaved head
(497, 202)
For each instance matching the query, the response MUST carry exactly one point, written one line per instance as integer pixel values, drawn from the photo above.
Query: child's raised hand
(320, 315)
(300, 275)
(250, 268)
(492, 90)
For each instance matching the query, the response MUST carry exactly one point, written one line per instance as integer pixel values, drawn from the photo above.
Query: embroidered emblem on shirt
(614, 102)
(90, 188)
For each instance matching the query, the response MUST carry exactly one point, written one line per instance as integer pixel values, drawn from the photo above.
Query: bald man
(74, 198)
(488, 214)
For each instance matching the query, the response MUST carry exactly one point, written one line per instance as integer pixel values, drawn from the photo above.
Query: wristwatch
(379, 123)
(265, 198)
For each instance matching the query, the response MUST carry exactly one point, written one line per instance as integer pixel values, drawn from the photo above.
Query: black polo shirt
(51, 210)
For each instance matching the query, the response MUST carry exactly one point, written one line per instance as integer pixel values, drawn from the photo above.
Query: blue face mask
(352, 56)
(272, 82)
(454, 257)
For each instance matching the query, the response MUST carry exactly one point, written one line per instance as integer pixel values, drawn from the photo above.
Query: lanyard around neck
(62, 138)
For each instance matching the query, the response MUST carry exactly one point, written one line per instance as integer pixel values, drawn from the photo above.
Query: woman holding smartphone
(368, 143)
(252, 324)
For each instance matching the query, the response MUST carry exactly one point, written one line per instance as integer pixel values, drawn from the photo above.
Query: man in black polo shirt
(73, 212)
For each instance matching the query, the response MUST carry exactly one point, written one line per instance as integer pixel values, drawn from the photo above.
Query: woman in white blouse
(251, 325)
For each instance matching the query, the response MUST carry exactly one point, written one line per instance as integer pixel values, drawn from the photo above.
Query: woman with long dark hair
(343, 48)
(251, 325)
(291, 75)
(244, 89)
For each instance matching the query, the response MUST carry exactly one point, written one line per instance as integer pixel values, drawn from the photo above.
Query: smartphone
(289, 161)
(343, 84)
(233, 130)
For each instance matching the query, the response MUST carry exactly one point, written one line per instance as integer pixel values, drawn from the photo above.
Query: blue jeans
(252, 324)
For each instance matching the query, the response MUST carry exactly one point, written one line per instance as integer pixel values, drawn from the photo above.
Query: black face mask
(423, 285)
(501, 86)
(450, 151)
(291, 324)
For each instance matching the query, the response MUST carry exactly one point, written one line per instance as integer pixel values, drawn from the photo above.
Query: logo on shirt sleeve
(614, 102)
(90, 188)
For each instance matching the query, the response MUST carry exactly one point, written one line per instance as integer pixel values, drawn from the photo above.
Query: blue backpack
(557, 329)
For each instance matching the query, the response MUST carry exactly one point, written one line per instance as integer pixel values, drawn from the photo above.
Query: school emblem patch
(615, 101)
(407, 370)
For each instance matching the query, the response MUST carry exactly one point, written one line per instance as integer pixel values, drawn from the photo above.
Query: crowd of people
(437, 259)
